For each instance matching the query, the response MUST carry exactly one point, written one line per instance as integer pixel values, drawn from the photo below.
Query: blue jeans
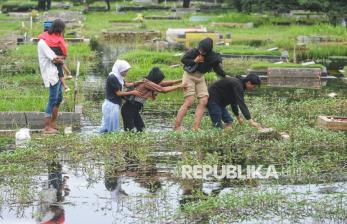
(55, 98)
(218, 114)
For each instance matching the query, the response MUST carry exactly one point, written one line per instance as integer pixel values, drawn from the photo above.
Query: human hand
(183, 85)
(135, 92)
(58, 60)
(199, 59)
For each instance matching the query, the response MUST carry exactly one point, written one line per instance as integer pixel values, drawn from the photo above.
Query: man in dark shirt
(230, 91)
(197, 62)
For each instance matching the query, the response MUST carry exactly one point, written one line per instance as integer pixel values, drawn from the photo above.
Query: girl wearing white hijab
(114, 86)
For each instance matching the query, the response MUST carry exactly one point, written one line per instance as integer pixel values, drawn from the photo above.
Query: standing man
(197, 62)
(49, 73)
(44, 5)
(41, 5)
(108, 5)
(48, 2)
(230, 91)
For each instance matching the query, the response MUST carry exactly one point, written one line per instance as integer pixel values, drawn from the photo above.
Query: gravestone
(70, 18)
(35, 120)
(295, 77)
(331, 122)
(130, 36)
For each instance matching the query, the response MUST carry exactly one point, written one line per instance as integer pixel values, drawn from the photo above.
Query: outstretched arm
(172, 88)
(158, 88)
(170, 82)
(133, 92)
(132, 84)
(244, 109)
(219, 70)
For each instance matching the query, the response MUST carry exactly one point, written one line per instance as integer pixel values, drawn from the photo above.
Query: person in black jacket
(230, 91)
(197, 62)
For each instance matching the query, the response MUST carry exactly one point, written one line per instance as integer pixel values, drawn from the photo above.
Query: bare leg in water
(199, 112)
(188, 101)
(54, 118)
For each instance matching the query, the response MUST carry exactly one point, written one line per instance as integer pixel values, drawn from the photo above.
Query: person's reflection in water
(147, 177)
(51, 209)
(113, 182)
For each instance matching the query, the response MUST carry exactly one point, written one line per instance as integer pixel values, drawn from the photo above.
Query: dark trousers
(44, 5)
(41, 5)
(48, 2)
(131, 116)
(108, 5)
(58, 52)
(218, 114)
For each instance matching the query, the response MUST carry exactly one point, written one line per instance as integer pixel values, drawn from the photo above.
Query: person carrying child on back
(151, 85)
(55, 40)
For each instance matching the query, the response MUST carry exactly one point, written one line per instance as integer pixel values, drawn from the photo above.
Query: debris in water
(23, 137)
(308, 63)
(68, 130)
(332, 95)
(285, 136)
(273, 49)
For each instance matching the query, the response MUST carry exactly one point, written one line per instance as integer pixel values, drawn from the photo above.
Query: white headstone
(23, 137)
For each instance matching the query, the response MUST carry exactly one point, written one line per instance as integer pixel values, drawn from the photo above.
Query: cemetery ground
(136, 177)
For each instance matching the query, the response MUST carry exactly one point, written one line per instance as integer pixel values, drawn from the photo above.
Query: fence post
(76, 82)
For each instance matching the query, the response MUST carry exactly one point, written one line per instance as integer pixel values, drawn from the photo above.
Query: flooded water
(134, 196)
(118, 199)
(96, 193)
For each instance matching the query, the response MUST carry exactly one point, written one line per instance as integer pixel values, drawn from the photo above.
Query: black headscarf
(155, 75)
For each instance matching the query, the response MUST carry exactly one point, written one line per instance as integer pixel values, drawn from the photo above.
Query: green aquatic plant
(321, 51)
(254, 204)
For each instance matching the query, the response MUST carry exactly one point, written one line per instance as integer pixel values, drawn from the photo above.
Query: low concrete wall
(35, 120)
(130, 36)
(295, 77)
(331, 122)
(265, 57)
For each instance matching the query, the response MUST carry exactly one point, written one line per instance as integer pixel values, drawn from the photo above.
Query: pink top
(54, 40)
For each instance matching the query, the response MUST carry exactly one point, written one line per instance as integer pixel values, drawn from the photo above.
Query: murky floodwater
(121, 199)
(133, 195)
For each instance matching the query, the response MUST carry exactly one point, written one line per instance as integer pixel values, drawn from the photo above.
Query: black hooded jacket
(230, 91)
(212, 60)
